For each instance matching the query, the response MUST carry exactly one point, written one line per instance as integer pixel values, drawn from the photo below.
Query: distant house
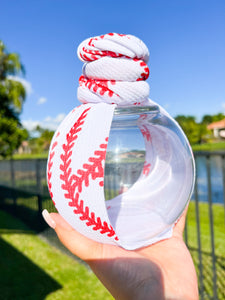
(131, 154)
(218, 128)
(24, 148)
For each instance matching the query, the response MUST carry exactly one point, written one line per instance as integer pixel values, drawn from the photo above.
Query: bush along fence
(24, 192)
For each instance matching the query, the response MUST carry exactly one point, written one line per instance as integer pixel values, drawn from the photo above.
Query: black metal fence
(24, 192)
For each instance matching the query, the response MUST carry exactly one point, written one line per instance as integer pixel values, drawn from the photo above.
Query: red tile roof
(217, 125)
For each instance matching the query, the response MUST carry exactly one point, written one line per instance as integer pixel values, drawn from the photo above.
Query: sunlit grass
(67, 277)
(218, 230)
(209, 147)
(40, 265)
(216, 146)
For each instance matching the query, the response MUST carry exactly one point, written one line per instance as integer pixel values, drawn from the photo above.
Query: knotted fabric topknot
(115, 70)
(114, 76)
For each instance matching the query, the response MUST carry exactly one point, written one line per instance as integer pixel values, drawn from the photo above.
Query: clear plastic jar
(149, 173)
(148, 178)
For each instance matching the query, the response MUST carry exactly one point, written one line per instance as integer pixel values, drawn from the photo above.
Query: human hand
(160, 271)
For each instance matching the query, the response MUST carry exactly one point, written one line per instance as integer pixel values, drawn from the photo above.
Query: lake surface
(119, 175)
(217, 181)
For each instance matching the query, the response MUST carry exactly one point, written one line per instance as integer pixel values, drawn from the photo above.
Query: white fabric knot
(115, 70)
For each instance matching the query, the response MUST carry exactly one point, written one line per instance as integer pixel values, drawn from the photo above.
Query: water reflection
(126, 174)
(116, 175)
(216, 170)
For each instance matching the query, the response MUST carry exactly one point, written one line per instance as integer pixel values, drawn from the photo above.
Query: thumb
(76, 243)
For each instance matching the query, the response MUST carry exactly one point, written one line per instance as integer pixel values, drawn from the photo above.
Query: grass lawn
(206, 253)
(218, 225)
(209, 147)
(32, 269)
(30, 156)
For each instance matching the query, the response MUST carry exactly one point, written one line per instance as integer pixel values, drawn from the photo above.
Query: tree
(207, 119)
(12, 97)
(194, 131)
(42, 142)
(45, 138)
(11, 136)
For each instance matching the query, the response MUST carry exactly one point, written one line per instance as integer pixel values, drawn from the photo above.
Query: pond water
(217, 181)
(118, 176)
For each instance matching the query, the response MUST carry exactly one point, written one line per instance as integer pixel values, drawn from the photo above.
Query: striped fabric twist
(115, 70)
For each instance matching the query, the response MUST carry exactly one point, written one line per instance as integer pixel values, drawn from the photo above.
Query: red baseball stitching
(95, 55)
(100, 86)
(73, 183)
(145, 132)
(145, 74)
(146, 168)
(90, 55)
(49, 168)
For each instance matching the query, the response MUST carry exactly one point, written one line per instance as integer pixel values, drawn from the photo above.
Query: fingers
(78, 244)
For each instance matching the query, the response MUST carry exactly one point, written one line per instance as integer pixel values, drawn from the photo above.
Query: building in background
(218, 128)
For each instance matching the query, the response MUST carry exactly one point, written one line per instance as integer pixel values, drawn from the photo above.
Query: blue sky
(186, 40)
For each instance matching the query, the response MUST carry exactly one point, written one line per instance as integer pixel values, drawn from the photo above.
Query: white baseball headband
(113, 76)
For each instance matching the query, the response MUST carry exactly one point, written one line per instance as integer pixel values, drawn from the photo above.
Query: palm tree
(12, 97)
(12, 92)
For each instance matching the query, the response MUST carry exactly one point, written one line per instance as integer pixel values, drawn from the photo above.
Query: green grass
(206, 250)
(32, 269)
(31, 156)
(218, 226)
(209, 147)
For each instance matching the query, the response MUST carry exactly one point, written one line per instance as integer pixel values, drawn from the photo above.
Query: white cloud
(48, 119)
(60, 117)
(50, 123)
(57, 119)
(42, 100)
(25, 83)
(30, 124)
(53, 123)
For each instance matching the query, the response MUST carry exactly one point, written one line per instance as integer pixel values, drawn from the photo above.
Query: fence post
(12, 172)
(197, 215)
(38, 182)
(223, 164)
(211, 227)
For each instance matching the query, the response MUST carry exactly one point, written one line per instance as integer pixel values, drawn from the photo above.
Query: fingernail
(48, 219)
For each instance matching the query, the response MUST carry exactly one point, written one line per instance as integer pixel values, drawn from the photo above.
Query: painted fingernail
(48, 219)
